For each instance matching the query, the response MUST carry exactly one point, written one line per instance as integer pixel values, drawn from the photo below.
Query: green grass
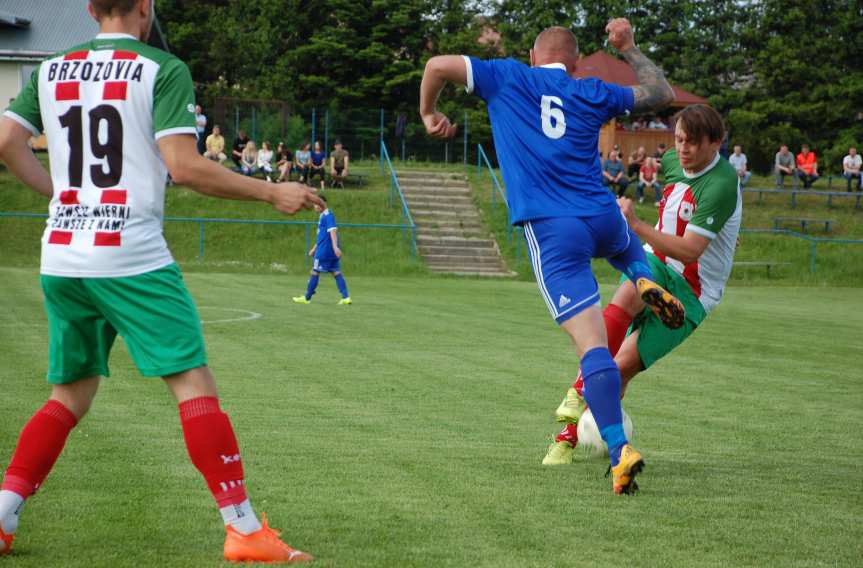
(407, 430)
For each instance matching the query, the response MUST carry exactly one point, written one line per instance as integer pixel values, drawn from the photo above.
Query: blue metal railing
(497, 190)
(813, 242)
(396, 189)
(203, 221)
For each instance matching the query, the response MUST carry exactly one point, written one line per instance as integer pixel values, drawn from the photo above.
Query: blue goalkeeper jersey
(546, 127)
(324, 244)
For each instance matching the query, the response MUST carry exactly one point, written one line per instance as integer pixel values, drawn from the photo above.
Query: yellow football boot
(572, 407)
(301, 300)
(666, 307)
(623, 474)
(559, 453)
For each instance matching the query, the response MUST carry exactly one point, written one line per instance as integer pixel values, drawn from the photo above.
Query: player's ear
(92, 11)
(532, 58)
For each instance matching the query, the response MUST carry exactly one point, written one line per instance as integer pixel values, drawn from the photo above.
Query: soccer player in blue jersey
(546, 129)
(327, 255)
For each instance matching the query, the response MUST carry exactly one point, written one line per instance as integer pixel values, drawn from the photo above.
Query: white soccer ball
(589, 437)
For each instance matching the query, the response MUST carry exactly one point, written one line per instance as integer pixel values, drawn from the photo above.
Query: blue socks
(602, 394)
(313, 284)
(632, 261)
(343, 286)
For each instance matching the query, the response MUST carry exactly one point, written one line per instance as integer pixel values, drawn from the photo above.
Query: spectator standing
(265, 160)
(612, 174)
(648, 177)
(249, 159)
(636, 160)
(739, 161)
(215, 146)
(319, 165)
(284, 161)
(239, 145)
(200, 128)
(303, 162)
(660, 151)
(339, 164)
(851, 167)
(807, 166)
(784, 165)
(656, 124)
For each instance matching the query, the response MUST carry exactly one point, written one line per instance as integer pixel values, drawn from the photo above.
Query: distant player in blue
(327, 255)
(546, 129)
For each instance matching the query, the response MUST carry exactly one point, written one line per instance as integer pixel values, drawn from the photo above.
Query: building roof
(610, 69)
(30, 30)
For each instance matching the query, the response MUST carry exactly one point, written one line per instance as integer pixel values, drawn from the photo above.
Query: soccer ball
(588, 434)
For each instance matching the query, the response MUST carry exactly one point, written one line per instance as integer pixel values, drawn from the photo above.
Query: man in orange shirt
(807, 166)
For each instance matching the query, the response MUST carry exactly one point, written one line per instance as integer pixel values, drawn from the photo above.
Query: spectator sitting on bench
(660, 150)
(216, 146)
(851, 167)
(647, 177)
(612, 174)
(807, 166)
(784, 165)
(284, 161)
(339, 164)
(319, 164)
(636, 160)
(249, 159)
(738, 160)
(239, 145)
(303, 161)
(265, 160)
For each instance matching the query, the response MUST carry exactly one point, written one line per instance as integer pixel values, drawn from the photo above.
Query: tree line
(780, 71)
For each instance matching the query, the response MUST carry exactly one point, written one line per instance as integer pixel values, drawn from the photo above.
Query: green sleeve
(714, 206)
(26, 105)
(173, 100)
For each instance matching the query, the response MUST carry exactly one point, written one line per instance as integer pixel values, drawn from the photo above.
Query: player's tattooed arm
(653, 91)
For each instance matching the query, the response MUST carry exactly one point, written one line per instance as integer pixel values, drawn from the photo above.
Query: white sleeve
(469, 68)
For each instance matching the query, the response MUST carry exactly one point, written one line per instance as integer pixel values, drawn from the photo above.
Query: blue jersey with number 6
(546, 131)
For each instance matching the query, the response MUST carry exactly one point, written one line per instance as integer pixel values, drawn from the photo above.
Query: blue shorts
(561, 249)
(327, 265)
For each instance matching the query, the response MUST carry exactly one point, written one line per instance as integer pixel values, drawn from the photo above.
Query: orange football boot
(263, 545)
(6, 542)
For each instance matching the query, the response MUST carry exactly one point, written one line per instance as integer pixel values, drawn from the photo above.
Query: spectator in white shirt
(851, 167)
(200, 128)
(249, 159)
(265, 160)
(656, 124)
(738, 160)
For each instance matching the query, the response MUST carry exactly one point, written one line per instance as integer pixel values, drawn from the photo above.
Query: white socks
(10, 507)
(242, 517)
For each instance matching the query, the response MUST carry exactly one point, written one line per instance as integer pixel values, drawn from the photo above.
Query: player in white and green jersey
(119, 116)
(691, 251)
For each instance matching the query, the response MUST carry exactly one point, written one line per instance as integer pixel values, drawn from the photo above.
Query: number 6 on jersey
(553, 119)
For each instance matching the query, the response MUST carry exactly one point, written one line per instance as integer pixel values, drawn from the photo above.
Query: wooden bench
(766, 263)
(804, 222)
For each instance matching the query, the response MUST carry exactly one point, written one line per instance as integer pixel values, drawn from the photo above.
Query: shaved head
(555, 45)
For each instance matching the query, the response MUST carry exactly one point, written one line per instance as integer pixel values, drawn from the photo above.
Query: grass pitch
(408, 429)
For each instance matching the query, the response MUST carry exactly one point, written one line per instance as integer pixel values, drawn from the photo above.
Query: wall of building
(10, 82)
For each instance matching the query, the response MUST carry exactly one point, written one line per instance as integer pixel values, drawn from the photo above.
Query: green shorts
(655, 341)
(153, 312)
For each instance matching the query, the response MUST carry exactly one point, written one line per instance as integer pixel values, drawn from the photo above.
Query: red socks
(39, 446)
(568, 434)
(617, 323)
(213, 449)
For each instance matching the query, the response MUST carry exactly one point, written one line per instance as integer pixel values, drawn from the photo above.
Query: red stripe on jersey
(60, 237)
(690, 273)
(76, 55)
(114, 91)
(120, 54)
(67, 91)
(69, 197)
(107, 239)
(114, 196)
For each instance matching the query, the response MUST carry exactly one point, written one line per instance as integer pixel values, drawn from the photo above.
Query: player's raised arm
(440, 70)
(187, 167)
(653, 91)
(20, 160)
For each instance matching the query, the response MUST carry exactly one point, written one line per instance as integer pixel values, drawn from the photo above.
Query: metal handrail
(396, 186)
(202, 221)
(482, 157)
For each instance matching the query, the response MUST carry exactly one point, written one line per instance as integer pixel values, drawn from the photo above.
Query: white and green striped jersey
(708, 203)
(103, 105)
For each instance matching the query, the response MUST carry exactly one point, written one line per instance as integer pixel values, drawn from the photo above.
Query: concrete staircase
(450, 235)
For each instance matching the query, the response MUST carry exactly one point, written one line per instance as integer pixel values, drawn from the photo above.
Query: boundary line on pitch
(250, 315)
